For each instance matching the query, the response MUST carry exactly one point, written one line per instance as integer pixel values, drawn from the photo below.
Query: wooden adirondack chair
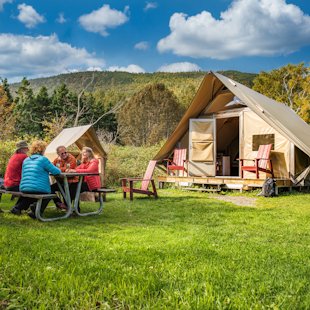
(261, 161)
(145, 181)
(178, 161)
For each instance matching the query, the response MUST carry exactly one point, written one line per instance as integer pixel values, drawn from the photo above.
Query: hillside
(128, 82)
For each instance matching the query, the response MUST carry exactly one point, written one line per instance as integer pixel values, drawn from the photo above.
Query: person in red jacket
(89, 164)
(13, 173)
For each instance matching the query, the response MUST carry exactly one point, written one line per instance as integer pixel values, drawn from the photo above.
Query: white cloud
(99, 20)
(150, 5)
(41, 56)
(61, 18)
(29, 16)
(246, 28)
(143, 45)
(179, 67)
(131, 68)
(94, 69)
(2, 2)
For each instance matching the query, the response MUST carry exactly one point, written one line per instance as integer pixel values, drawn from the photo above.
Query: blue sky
(49, 37)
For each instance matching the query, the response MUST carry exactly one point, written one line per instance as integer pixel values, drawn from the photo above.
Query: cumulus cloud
(99, 20)
(179, 67)
(246, 28)
(143, 45)
(61, 18)
(2, 2)
(29, 16)
(150, 6)
(41, 56)
(131, 69)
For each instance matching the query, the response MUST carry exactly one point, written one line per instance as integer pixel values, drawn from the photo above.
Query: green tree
(289, 85)
(62, 102)
(28, 121)
(7, 118)
(149, 116)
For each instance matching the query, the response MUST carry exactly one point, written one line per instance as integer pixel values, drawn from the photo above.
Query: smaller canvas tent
(80, 136)
(227, 120)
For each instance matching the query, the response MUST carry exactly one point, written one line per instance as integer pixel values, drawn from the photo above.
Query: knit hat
(21, 145)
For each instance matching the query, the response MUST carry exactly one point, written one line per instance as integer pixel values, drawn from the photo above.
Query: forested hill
(128, 82)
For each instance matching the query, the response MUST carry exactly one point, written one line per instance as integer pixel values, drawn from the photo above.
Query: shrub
(7, 149)
(128, 161)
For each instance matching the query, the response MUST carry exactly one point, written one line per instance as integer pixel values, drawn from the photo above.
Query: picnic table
(64, 189)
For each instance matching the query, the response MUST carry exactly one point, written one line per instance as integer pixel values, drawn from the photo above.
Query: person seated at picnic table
(65, 161)
(13, 172)
(89, 164)
(35, 178)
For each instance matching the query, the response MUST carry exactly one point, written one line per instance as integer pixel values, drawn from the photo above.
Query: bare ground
(238, 200)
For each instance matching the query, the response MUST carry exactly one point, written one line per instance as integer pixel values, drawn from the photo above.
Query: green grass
(183, 251)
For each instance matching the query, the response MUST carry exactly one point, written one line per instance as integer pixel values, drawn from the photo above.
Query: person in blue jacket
(35, 177)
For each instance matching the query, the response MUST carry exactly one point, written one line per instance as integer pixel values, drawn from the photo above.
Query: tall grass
(183, 251)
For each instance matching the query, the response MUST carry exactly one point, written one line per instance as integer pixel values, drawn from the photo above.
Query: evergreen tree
(28, 121)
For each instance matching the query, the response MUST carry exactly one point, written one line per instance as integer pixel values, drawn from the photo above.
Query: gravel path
(238, 200)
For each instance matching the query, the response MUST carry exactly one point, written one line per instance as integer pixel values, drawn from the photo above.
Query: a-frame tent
(80, 136)
(226, 115)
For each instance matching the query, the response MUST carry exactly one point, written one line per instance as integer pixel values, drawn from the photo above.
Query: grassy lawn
(183, 251)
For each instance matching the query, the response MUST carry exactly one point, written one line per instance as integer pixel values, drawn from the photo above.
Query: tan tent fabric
(275, 114)
(81, 136)
(202, 131)
(254, 125)
(208, 89)
(202, 151)
(202, 141)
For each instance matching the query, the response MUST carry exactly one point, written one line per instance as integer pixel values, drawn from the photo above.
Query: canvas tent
(227, 120)
(80, 136)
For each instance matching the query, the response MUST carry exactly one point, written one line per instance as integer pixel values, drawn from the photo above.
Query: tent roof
(81, 136)
(276, 114)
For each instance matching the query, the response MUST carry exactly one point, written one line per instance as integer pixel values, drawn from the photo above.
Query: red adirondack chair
(261, 161)
(145, 181)
(178, 161)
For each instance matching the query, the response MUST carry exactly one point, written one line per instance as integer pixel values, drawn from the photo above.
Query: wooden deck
(222, 182)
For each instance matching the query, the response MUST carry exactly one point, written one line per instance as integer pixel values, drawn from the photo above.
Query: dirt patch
(238, 200)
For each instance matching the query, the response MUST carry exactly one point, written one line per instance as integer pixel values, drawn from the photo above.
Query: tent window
(257, 140)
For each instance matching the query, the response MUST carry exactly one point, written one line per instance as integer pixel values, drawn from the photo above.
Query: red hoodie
(93, 181)
(13, 173)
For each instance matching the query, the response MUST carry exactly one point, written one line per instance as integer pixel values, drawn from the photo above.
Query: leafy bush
(7, 149)
(128, 161)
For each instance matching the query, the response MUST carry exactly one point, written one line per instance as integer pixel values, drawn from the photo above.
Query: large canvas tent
(227, 120)
(80, 136)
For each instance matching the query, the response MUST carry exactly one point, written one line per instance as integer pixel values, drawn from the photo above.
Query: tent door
(228, 144)
(202, 156)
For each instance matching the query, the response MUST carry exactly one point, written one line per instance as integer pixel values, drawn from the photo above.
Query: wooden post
(102, 164)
